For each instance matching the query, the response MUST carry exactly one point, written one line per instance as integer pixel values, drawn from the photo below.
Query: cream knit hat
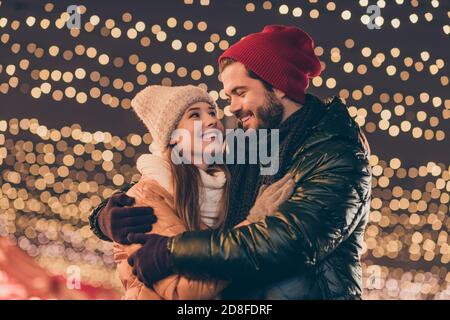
(162, 107)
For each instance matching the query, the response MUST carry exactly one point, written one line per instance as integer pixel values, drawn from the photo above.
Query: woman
(184, 195)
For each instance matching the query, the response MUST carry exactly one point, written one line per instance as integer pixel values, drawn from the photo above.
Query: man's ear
(279, 94)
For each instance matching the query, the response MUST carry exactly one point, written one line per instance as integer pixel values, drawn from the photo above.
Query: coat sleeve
(326, 206)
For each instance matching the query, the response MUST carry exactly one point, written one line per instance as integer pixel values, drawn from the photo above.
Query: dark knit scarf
(246, 178)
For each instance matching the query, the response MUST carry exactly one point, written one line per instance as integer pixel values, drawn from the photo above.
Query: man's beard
(270, 115)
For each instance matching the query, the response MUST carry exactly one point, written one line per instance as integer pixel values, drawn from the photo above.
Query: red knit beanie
(281, 55)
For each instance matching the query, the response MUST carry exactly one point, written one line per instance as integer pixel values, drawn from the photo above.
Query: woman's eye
(194, 115)
(213, 113)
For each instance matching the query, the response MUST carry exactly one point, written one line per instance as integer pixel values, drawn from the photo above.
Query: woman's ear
(279, 94)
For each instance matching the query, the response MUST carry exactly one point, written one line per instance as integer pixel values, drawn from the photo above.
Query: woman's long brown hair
(186, 185)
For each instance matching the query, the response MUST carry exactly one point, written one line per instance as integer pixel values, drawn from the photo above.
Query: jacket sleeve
(329, 199)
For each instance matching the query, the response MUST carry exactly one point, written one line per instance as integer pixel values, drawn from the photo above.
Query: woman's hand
(271, 197)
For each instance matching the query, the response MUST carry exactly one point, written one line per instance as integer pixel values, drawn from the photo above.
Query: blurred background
(68, 138)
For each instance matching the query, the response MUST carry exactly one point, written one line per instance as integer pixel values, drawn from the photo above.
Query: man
(311, 248)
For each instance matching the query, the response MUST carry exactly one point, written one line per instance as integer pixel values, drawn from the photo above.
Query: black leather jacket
(311, 248)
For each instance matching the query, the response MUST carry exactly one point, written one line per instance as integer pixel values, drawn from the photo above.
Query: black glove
(152, 262)
(116, 220)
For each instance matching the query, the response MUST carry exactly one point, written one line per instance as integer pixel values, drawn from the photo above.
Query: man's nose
(235, 107)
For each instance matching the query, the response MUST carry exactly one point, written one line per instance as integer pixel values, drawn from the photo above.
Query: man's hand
(117, 219)
(152, 262)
